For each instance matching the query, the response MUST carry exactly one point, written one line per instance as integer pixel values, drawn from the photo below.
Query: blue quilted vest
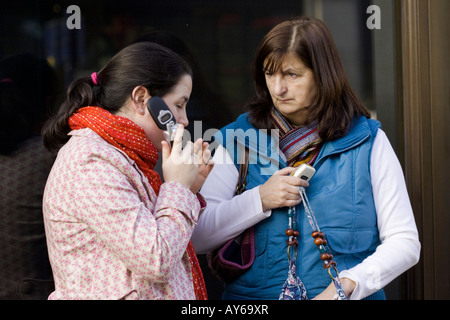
(340, 195)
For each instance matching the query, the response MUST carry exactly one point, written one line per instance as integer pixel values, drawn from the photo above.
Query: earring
(142, 110)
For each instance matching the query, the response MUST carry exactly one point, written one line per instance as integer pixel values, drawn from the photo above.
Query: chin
(288, 109)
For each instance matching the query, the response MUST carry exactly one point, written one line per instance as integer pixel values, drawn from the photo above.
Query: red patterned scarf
(130, 138)
(299, 145)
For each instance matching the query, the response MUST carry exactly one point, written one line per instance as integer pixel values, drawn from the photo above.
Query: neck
(297, 120)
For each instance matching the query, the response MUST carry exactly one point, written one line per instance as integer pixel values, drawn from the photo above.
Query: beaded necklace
(302, 145)
(294, 289)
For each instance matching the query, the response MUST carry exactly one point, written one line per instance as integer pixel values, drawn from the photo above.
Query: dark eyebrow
(292, 69)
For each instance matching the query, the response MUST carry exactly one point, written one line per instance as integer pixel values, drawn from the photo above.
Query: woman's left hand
(328, 294)
(205, 165)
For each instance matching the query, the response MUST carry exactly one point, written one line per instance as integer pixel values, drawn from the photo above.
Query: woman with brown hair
(114, 229)
(357, 194)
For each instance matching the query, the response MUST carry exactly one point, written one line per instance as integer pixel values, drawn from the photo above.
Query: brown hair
(309, 39)
(141, 64)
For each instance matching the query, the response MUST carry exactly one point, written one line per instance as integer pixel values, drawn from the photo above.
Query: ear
(139, 98)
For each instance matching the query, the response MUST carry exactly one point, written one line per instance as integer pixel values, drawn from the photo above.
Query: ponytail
(55, 130)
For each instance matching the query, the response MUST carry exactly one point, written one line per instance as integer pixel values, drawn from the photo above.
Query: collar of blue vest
(360, 130)
(264, 147)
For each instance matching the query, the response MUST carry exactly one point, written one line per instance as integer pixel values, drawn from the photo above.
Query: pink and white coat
(109, 236)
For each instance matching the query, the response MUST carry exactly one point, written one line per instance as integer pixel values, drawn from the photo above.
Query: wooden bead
(318, 241)
(315, 234)
(289, 232)
(296, 233)
(324, 256)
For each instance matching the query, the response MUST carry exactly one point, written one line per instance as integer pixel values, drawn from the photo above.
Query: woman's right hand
(281, 190)
(178, 164)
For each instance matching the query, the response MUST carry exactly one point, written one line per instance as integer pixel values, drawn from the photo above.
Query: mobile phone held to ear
(162, 116)
(304, 172)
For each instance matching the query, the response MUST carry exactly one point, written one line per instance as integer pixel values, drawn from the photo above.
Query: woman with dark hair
(357, 194)
(114, 230)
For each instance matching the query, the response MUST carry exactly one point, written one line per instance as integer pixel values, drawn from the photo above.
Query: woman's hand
(179, 164)
(205, 165)
(281, 190)
(328, 294)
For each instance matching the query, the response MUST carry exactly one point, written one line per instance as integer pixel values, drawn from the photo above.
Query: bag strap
(243, 169)
(242, 182)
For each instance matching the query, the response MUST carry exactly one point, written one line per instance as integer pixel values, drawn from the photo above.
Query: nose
(279, 86)
(183, 119)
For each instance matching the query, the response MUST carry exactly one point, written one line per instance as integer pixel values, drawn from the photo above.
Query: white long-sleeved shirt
(226, 217)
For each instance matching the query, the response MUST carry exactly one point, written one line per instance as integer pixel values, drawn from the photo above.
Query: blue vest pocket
(350, 241)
